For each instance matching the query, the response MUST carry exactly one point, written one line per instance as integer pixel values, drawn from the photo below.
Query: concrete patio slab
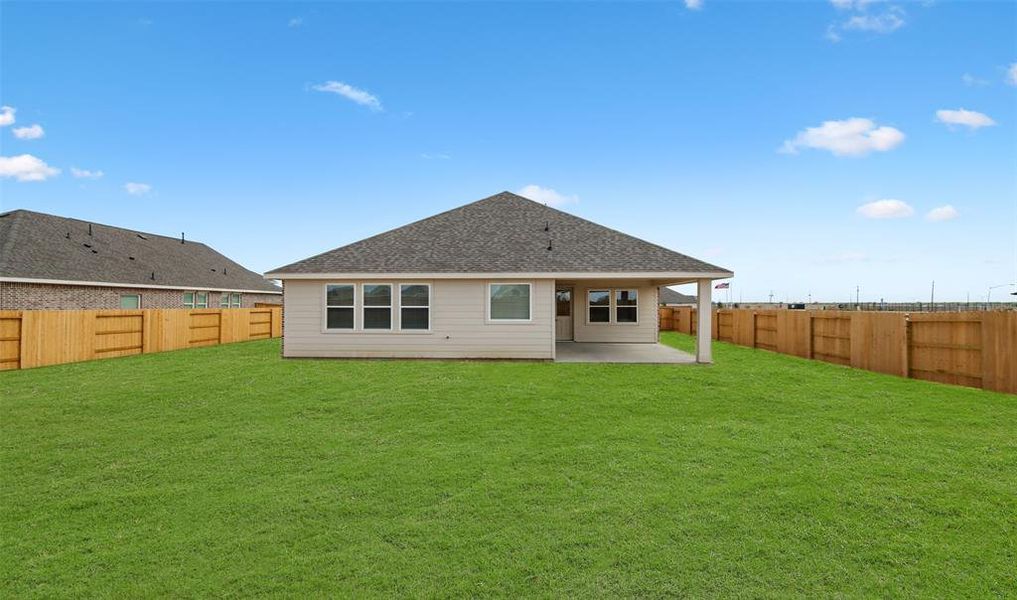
(591, 352)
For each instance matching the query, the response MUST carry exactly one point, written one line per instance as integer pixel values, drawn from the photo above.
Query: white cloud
(547, 196)
(693, 4)
(1011, 74)
(26, 167)
(296, 22)
(887, 22)
(32, 132)
(850, 137)
(137, 189)
(968, 118)
(435, 156)
(361, 97)
(886, 209)
(85, 173)
(832, 34)
(7, 115)
(972, 81)
(852, 4)
(942, 213)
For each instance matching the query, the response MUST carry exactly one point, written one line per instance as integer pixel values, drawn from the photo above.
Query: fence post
(812, 337)
(906, 359)
(754, 315)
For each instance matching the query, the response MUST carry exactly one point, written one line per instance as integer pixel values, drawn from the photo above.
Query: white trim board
(186, 288)
(677, 275)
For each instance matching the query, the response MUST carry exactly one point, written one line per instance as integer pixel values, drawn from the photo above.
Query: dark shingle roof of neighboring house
(40, 246)
(504, 233)
(669, 296)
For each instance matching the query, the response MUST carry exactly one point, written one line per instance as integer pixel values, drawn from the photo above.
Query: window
(224, 300)
(414, 306)
(563, 303)
(626, 306)
(509, 301)
(377, 305)
(339, 306)
(130, 301)
(236, 300)
(189, 299)
(599, 306)
(201, 300)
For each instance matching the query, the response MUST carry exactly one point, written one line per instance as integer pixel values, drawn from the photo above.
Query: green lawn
(229, 471)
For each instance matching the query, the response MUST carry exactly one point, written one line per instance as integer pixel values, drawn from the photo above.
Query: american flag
(722, 286)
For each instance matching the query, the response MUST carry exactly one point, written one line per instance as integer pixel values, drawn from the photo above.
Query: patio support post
(704, 314)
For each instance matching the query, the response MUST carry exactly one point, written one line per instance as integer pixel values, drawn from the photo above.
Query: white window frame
(487, 304)
(609, 307)
(185, 302)
(236, 299)
(616, 306)
(391, 308)
(203, 303)
(325, 306)
(224, 300)
(399, 310)
(122, 296)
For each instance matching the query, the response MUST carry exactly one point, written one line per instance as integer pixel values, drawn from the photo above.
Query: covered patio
(612, 352)
(615, 319)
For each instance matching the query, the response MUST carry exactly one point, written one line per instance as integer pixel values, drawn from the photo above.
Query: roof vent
(181, 237)
(547, 226)
(141, 236)
(130, 258)
(87, 245)
(549, 246)
(153, 275)
(89, 229)
(68, 235)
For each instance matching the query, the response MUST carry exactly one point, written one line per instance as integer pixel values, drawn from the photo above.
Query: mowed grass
(229, 471)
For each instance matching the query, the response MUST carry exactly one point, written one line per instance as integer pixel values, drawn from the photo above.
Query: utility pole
(932, 298)
(858, 291)
(771, 297)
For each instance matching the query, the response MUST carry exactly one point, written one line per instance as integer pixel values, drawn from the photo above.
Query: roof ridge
(87, 222)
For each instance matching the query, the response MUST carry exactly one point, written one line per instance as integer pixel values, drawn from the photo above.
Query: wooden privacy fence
(36, 338)
(975, 349)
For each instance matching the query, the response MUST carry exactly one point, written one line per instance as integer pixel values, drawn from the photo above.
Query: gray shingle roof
(40, 246)
(669, 296)
(504, 233)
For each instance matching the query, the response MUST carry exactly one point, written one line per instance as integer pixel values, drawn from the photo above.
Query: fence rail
(975, 349)
(36, 338)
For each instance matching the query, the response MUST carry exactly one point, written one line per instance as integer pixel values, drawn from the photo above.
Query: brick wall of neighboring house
(36, 296)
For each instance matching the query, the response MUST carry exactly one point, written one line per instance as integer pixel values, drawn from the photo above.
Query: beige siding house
(503, 277)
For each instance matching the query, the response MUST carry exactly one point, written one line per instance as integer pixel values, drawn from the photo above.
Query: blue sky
(801, 144)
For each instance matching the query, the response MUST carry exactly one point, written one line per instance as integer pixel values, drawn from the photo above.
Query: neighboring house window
(224, 300)
(237, 300)
(509, 301)
(626, 307)
(414, 306)
(377, 305)
(599, 304)
(130, 301)
(339, 311)
(196, 299)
